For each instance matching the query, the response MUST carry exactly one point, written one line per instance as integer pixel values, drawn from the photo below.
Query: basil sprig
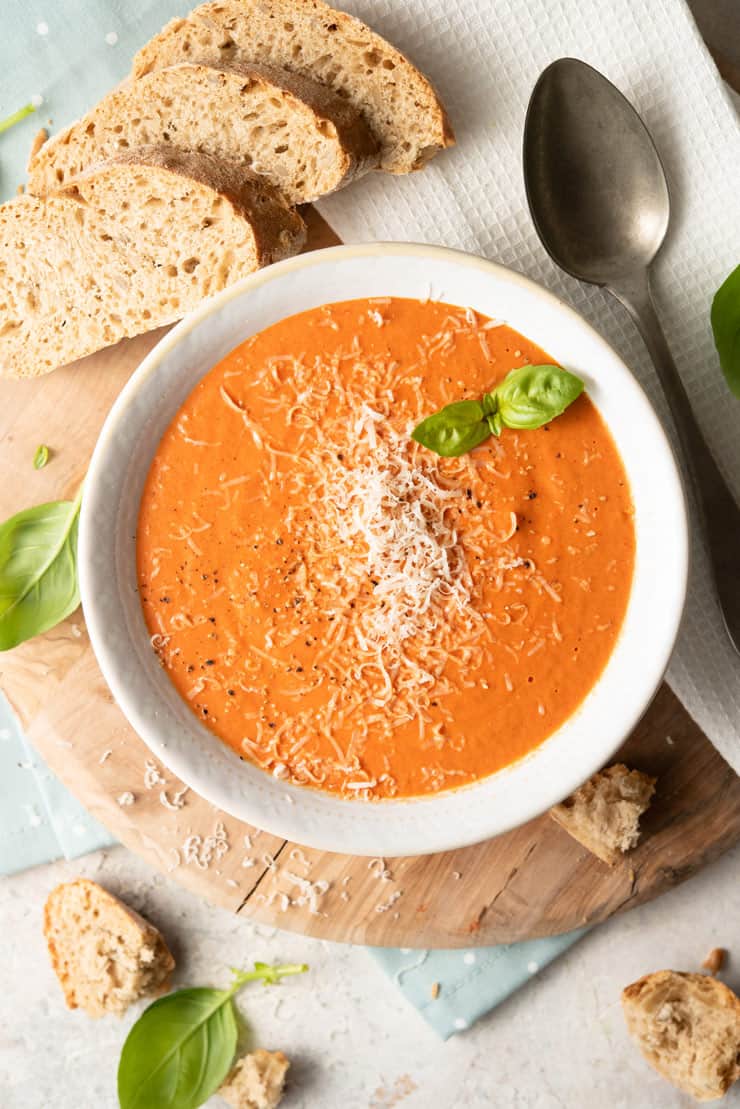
(527, 398)
(726, 328)
(181, 1048)
(38, 570)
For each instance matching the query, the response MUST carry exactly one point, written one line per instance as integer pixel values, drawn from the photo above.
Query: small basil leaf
(454, 430)
(38, 570)
(726, 328)
(490, 404)
(41, 457)
(179, 1051)
(533, 395)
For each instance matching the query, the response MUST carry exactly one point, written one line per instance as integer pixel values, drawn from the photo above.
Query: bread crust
(687, 1027)
(333, 47)
(94, 909)
(603, 814)
(130, 244)
(238, 113)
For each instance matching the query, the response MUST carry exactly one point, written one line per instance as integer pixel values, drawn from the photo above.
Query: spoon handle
(717, 506)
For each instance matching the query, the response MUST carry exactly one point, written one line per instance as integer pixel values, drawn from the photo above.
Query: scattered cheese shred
(202, 850)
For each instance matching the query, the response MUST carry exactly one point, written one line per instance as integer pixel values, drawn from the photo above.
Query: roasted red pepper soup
(345, 608)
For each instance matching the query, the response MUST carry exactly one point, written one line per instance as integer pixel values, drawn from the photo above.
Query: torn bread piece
(130, 245)
(604, 813)
(256, 1081)
(104, 954)
(302, 137)
(688, 1028)
(329, 46)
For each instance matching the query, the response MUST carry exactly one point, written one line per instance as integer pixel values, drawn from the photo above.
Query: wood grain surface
(531, 882)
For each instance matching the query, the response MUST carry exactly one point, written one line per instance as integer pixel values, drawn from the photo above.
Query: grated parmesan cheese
(202, 850)
(176, 802)
(152, 776)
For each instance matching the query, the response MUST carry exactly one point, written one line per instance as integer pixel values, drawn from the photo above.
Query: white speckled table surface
(355, 1042)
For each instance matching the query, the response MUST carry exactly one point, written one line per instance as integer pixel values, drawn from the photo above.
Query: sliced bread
(128, 246)
(256, 1081)
(688, 1028)
(309, 37)
(104, 954)
(604, 813)
(303, 137)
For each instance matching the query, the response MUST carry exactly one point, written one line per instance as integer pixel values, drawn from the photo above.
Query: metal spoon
(599, 200)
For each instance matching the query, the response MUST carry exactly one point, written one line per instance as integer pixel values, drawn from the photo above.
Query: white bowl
(120, 639)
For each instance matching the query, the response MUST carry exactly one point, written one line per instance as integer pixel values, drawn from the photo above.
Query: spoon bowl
(597, 193)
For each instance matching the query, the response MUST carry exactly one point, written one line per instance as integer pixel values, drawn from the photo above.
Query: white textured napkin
(484, 57)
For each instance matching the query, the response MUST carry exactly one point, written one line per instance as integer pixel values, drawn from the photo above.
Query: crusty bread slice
(309, 37)
(604, 813)
(256, 1081)
(128, 246)
(301, 136)
(688, 1028)
(104, 954)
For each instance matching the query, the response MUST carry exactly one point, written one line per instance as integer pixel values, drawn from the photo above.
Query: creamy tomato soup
(345, 608)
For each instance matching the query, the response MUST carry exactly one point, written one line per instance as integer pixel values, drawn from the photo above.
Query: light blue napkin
(41, 821)
(70, 52)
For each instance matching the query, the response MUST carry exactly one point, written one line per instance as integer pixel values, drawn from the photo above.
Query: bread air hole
(189, 264)
(280, 149)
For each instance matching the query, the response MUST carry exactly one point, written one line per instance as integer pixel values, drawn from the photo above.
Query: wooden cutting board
(534, 881)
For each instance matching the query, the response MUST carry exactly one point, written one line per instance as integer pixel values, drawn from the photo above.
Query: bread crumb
(435, 991)
(126, 798)
(688, 1028)
(104, 954)
(256, 1081)
(604, 813)
(715, 960)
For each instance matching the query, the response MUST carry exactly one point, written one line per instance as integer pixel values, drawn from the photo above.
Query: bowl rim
(445, 838)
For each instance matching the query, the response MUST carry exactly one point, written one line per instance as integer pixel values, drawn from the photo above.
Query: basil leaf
(533, 395)
(726, 328)
(41, 457)
(38, 570)
(181, 1048)
(454, 430)
(179, 1051)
